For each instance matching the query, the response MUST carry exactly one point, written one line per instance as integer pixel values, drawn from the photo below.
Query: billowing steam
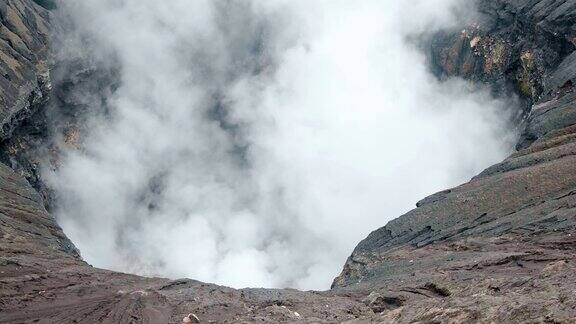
(254, 143)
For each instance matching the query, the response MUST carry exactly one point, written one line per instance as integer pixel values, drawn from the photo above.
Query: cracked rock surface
(24, 71)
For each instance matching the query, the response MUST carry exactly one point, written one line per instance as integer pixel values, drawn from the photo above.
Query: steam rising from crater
(255, 143)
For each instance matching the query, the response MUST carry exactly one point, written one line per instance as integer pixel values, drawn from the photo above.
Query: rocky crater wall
(500, 248)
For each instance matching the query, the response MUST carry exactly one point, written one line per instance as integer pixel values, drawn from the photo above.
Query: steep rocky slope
(500, 248)
(512, 45)
(43, 279)
(25, 85)
(24, 76)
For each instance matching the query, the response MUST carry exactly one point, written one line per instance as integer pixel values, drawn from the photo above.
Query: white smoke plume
(255, 143)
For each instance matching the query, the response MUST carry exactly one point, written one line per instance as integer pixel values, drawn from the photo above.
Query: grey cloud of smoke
(254, 143)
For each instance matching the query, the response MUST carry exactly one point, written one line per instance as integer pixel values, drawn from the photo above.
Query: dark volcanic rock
(42, 278)
(25, 86)
(48, 4)
(513, 46)
(501, 247)
(24, 72)
(26, 226)
(58, 107)
(490, 244)
(549, 116)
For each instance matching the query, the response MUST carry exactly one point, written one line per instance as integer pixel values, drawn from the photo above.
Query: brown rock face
(42, 278)
(25, 85)
(24, 72)
(513, 46)
(500, 248)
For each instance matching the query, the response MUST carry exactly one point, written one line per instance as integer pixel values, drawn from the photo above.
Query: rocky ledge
(500, 248)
